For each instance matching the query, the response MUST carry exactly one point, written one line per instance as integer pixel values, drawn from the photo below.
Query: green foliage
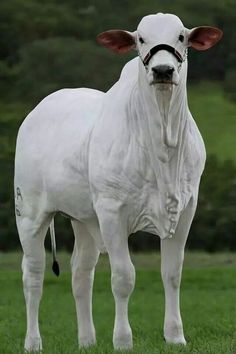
(10, 119)
(215, 117)
(48, 65)
(214, 224)
(63, 28)
(229, 84)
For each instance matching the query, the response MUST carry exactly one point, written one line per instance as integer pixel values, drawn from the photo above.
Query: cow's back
(51, 152)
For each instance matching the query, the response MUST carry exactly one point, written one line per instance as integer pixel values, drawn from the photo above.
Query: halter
(159, 47)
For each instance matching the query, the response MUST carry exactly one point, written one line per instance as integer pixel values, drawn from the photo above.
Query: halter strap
(159, 47)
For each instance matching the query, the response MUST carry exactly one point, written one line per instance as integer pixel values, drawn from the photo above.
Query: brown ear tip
(100, 37)
(103, 39)
(221, 33)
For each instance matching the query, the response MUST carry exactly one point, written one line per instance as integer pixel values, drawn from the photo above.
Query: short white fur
(116, 162)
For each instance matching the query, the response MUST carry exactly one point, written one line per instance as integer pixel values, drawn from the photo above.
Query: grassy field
(215, 117)
(208, 301)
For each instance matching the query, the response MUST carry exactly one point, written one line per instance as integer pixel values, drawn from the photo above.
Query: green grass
(215, 117)
(208, 301)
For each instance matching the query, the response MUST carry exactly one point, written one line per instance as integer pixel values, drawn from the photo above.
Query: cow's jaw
(163, 86)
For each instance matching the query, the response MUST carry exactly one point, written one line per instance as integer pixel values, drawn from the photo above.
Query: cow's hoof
(33, 344)
(87, 341)
(176, 340)
(123, 342)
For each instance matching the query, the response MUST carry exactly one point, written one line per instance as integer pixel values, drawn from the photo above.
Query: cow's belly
(69, 191)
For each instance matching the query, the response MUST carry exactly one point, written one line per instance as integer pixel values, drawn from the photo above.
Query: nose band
(159, 47)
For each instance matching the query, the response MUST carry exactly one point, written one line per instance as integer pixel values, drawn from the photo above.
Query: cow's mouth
(164, 82)
(163, 85)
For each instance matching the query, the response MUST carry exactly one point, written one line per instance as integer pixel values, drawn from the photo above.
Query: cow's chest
(162, 192)
(157, 206)
(154, 193)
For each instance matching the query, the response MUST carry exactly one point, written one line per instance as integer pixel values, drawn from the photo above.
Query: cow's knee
(171, 279)
(123, 279)
(171, 274)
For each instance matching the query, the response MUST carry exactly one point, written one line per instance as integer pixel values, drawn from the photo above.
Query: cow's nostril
(163, 72)
(170, 71)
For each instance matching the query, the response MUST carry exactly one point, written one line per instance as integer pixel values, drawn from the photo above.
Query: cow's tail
(55, 265)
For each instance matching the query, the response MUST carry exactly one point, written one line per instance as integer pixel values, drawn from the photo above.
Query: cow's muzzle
(163, 74)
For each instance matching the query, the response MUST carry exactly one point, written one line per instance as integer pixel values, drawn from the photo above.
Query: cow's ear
(204, 37)
(117, 40)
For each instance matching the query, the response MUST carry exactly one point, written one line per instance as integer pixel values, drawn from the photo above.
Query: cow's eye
(141, 40)
(181, 37)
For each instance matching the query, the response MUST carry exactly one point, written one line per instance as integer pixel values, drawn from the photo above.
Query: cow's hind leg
(32, 232)
(172, 256)
(84, 259)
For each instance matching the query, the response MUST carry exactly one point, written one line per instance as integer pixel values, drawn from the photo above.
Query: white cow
(116, 162)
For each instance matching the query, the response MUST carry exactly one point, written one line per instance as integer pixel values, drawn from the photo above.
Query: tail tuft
(55, 268)
(55, 265)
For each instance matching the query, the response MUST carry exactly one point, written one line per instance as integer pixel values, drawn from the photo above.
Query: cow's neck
(163, 113)
(161, 125)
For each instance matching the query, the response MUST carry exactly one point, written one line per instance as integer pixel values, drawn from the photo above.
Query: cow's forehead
(162, 23)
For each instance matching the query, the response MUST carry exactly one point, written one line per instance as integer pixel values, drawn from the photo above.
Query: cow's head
(161, 41)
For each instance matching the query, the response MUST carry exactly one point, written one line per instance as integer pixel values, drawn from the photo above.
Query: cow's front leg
(171, 267)
(172, 256)
(114, 232)
(122, 281)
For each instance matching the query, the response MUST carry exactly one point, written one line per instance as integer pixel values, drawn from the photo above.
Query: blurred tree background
(51, 44)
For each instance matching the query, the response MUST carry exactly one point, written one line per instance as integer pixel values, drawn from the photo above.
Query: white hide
(116, 162)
